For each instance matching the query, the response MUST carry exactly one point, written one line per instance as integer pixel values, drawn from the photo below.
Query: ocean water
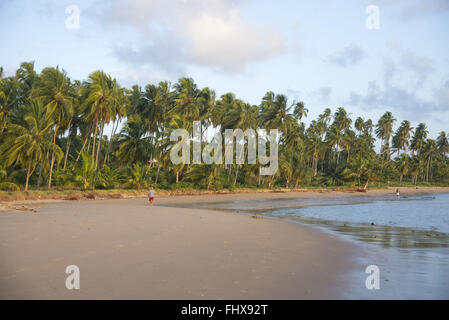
(421, 212)
(407, 238)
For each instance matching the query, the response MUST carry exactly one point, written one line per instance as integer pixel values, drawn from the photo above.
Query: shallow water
(407, 238)
(418, 212)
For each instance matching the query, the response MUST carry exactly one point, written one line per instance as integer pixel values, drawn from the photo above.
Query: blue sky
(319, 52)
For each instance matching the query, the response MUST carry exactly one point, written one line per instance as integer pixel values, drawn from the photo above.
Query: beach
(126, 249)
(176, 249)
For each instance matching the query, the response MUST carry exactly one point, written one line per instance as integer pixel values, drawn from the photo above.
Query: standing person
(151, 195)
(397, 193)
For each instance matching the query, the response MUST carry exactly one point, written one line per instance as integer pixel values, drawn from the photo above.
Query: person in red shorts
(151, 195)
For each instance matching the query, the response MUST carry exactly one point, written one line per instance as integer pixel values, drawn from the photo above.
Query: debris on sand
(22, 208)
(71, 198)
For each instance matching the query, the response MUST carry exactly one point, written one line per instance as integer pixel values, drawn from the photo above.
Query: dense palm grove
(52, 135)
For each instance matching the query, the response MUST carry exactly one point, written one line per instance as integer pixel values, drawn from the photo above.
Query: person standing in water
(151, 195)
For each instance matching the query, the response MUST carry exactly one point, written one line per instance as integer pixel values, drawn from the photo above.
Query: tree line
(52, 135)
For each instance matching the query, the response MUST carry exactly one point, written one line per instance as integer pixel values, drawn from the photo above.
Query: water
(418, 212)
(408, 238)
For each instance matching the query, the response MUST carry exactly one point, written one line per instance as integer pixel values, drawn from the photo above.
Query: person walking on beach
(397, 193)
(151, 195)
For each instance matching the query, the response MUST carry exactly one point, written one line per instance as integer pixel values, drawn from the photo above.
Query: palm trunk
(84, 145)
(114, 128)
(99, 145)
(157, 173)
(236, 174)
(67, 149)
(28, 174)
(38, 185)
(94, 138)
(366, 184)
(52, 159)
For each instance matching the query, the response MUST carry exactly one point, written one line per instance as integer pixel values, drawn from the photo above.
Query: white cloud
(175, 33)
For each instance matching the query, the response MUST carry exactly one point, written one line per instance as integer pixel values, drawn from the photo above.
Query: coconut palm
(443, 143)
(430, 151)
(384, 130)
(419, 138)
(401, 139)
(135, 144)
(403, 166)
(54, 88)
(28, 142)
(103, 97)
(300, 111)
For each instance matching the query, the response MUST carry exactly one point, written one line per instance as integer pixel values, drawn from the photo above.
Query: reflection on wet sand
(385, 236)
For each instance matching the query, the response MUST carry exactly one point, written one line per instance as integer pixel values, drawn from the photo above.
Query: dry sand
(126, 249)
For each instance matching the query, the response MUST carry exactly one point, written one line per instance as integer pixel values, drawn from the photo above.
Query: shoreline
(126, 249)
(238, 194)
(71, 194)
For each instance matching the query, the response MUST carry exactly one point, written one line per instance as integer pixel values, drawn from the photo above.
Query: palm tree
(443, 143)
(28, 142)
(430, 150)
(358, 125)
(206, 100)
(54, 88)
(300, 110)
(274, 112)
(203, 173)
(9, 96)
(402, 136)
(403, 166)
(419, 138)
(139, 175)
(135, 145)
(85, 175)
(186, 100)
(384, 129)
(102, 99)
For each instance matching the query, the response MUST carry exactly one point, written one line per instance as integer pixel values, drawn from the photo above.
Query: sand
(126, 249)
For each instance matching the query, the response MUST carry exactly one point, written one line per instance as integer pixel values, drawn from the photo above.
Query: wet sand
(126, 249)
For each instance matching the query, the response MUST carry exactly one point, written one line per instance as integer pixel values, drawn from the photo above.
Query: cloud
(175, 33)
(349, 56)
(420, 66)
(324, 94)
(402, 86)
(411, 9)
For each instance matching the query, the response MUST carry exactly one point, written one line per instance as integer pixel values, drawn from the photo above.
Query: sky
(364, 55)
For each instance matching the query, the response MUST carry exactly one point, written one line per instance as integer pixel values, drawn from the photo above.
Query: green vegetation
(52, 136)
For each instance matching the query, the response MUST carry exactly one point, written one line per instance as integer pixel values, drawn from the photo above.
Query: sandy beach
(126, 249)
